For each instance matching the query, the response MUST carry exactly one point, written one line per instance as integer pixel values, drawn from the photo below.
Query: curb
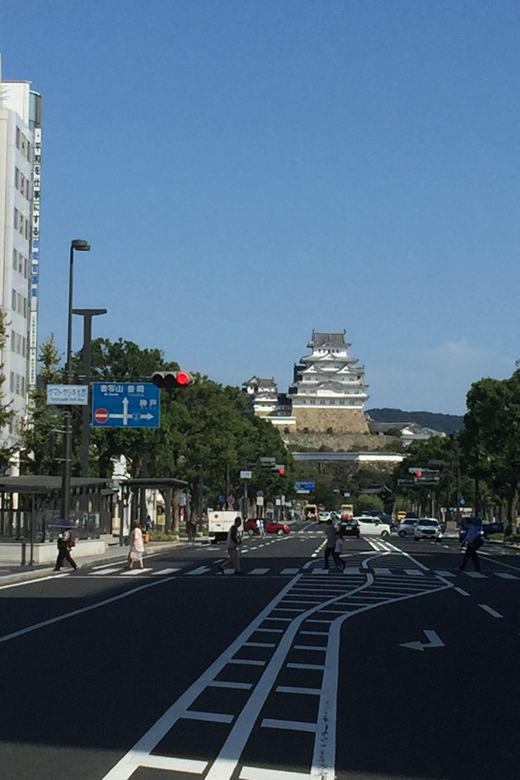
(46, 571)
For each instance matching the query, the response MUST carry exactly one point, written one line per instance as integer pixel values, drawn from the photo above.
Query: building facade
(328, 391)
(20, 161)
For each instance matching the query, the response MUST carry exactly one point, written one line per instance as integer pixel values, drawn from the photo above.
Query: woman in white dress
(136, 546)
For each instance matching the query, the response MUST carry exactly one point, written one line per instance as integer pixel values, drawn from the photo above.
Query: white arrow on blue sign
(125, 405)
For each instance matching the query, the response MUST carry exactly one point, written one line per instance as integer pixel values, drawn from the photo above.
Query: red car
(270, 527)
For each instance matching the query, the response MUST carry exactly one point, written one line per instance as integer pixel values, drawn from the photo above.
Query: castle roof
(328, 340)
(257, 382)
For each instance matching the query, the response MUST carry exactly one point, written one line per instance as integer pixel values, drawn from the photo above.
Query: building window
(13, 300)
(23, 385)
(25, 268)
(17, 384)
(15, 259)
(11, 382)
(16, 178)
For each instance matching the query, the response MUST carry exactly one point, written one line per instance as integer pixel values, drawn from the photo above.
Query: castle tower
(329, 389)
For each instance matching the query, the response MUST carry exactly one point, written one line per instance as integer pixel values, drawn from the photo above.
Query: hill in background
(444, 423)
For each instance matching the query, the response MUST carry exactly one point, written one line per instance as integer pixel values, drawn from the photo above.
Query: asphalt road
(402, 667)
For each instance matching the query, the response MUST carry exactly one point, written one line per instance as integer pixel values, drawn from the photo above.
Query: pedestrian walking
(148, 525)
(234, 540)
(338, 549)
(260, 526)
(191, 529)
(330, 541)
(66, 542)
(136, 546)
(473, 542)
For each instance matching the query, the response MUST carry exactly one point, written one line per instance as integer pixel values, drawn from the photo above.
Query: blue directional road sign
(307, 486)
(125, 405)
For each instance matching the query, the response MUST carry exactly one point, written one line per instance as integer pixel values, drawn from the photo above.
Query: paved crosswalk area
(396, 570)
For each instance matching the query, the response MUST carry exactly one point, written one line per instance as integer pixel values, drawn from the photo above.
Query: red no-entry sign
(100, 415)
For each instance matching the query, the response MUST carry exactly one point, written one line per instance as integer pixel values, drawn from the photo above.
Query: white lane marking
(290, 571)
(134, 572)
(280, 619)
(462, 592)
(259, 644)
(321, 571)
(433, 638)
(319, 667)
(256, 773)
(314, 633)
(310, 647)
(295, 689)
(443, 573)
(198, 570)
(475, 575)
(258, 571)
(67, 615)
(106, 565)
(446, 546)
(500, 563)
(37, 579)
(104, 572)
(414, 573)
(407, 555)
(505, 575)
(491, 611)
(214, 717)
(270, 630)
(246, 662)
(171, 764)
(290, 725)
(289, 609)
(381, 570)
(219, 560)
(166, 571)
(239, 686)
(127, 765)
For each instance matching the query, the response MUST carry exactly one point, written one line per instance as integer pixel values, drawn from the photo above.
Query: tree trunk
(167, 510)
(194, 503)
(175, 512)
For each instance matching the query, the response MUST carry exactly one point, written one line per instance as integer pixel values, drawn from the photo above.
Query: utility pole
(86, 411)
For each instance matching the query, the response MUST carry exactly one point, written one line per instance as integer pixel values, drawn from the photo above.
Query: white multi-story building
(20, 160)
(329, 389)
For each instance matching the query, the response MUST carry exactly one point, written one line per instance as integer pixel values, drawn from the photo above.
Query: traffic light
(167, 380)
(280, 469)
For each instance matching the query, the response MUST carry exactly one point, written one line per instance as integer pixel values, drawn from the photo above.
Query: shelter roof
(46, 484)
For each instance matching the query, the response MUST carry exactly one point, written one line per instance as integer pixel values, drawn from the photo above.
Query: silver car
(407, 526)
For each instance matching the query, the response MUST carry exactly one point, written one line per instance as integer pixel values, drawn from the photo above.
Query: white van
(372, 526)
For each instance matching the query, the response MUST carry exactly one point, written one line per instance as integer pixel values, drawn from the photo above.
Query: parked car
(406, 526)
(493, 528)
(372, 526)
(427, 528)
(270, 527)
(348, 528)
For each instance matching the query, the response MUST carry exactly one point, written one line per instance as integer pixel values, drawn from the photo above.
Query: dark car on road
(348, 528)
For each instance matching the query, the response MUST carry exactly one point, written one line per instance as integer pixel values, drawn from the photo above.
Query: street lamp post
(80, 245)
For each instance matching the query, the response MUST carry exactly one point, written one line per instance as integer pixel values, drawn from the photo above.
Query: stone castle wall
(340, 420)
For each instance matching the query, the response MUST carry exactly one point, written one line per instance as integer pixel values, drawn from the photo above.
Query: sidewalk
(12, 573)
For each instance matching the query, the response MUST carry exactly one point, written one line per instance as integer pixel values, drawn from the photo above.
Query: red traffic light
(418, 474)
(280, 469)
(183, 378)
(167, 380)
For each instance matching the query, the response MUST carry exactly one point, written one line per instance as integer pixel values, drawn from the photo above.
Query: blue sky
(247, 170)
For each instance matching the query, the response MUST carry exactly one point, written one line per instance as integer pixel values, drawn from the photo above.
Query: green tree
(367, 503)
(40, 439)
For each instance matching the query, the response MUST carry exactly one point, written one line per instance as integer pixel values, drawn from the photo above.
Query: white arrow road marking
(434, 640)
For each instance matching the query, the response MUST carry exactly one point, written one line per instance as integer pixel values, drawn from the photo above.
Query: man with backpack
(234, 540)
(66, 542)
(473, 541)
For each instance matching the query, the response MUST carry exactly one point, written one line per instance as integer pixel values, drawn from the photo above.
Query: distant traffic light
(167, 380)
(280, 468)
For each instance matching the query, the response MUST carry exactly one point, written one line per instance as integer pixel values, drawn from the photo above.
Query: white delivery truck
(219, 524)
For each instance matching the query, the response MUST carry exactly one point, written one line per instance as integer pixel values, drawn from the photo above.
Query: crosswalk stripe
(320, 571)
(442, 573)
(352, 570)
(166, 571)
(505, 575)
(381, 570)
(475, 575)
(414, 572)
(104, 571)
(258, 571)
(290, 571)
(199, 570)
(134, 572)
